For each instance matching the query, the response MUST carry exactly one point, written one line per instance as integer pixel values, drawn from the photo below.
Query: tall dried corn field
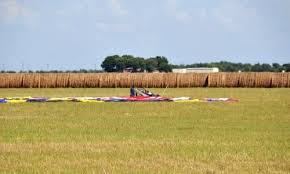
(149, 80)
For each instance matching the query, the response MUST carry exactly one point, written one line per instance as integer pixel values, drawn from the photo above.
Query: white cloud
(72, 9)
(183, 16)
(117, 8)
(235, 15)
(176, 12)
(115, 27)
(202, 13)
(11, 10)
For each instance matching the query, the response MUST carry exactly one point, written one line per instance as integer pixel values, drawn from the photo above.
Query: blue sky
(74, 34)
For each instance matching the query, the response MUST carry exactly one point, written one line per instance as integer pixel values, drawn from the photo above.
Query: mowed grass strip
(251, 136)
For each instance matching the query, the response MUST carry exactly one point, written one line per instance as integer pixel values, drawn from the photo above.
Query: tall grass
(152, 80)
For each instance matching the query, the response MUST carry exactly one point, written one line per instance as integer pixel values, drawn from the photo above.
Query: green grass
(252, 136)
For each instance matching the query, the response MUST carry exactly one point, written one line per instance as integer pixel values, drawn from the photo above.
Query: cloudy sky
(73, 34)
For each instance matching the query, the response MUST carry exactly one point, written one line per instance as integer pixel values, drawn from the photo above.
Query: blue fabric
(3, 101)
(37, 100)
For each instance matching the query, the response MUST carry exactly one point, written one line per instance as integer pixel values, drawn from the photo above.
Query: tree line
(117, 63)
(243, 67)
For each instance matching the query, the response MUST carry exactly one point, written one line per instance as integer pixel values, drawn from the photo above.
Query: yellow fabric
(18, 98)
(59, 99)
(91, 101)
(188, 101)
(16, 101)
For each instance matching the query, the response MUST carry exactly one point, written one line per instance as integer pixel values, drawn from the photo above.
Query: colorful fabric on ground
(37, 99)
(112, 99)
(189, 101)
(91, 101)
(16, 101)
(3, 101)
(180, 98)
(221, 100)
(58, 99)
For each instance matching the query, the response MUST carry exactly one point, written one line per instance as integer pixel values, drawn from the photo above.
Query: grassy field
(252, 136)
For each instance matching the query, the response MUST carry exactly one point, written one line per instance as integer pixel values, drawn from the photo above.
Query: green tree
(165, 67)
(266, 67)
(247, 67)
(118, 63)
(257, 68)
(130, 62)
(162, 64)
(151, 64)
(286, 67)
(141, 64)
(276, 67)
(110, 63)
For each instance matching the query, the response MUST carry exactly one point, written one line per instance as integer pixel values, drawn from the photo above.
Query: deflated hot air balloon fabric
(112, 99)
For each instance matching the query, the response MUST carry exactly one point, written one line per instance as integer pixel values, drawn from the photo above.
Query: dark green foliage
(286, 67)
(110, 63)
(151, 64)
(138, 64)
(118, 63)
(235, 67)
